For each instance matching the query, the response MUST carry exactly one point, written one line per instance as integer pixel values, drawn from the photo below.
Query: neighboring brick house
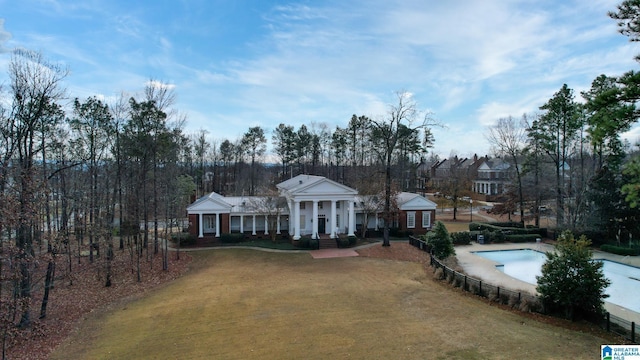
(493, 177)
(306, 205)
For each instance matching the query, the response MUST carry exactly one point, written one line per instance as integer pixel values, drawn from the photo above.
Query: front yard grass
(246, 304)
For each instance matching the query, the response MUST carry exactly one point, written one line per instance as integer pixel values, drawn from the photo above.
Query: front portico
(319, 206)
(211, 214)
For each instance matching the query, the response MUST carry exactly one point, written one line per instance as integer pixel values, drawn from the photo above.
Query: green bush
(620, 250)
(507, 230)
(495, 237)
(508, 224)
(521, 238)
(342, 242)
(231, 238)
(304, 242)
(185, 239)
(440, 241)
(353, 240)
(461, 238)
(314, 244)
(572, 284)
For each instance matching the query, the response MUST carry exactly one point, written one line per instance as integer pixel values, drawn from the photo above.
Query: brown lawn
(247, 304)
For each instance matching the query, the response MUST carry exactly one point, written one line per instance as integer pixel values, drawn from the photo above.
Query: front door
(322, 225)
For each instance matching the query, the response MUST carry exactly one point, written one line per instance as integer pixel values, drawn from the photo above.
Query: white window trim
(426, 219)
(411, 219)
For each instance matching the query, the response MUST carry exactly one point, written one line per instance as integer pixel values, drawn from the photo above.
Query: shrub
(514, 301)
(461, 238)
(304, 242)
(520, 238)
(314, 244)
(440, 241)
(231, 238)
(529, 305)
(620, 250)
(353, 240)
(438, 274)
(493, 296)
(572, 283)
(185, 239)
(342, 242)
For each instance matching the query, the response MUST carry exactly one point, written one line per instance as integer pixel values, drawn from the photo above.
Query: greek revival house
(306, 205)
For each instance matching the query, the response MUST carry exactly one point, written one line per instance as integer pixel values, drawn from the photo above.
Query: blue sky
(237, 64)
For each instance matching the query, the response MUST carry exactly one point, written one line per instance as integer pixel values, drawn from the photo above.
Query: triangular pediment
(211, 203)
(309, 185)
(415, 202)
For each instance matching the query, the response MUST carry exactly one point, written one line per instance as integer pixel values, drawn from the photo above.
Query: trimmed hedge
(353, 240)
(620, 250)
(231, 238)
(541, 232)
(521, 238)
(342, 242)
(304, 242)
(461, 238)
(185, 239)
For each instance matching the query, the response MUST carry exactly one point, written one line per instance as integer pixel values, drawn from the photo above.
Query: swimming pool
(526, 264)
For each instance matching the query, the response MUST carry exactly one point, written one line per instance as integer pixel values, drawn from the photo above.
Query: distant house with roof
(305, 205)
(493, 177)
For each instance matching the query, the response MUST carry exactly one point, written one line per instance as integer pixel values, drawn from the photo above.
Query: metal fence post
(633, 331)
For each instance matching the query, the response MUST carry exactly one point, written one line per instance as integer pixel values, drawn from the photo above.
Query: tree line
(572, 152)
(86, 179)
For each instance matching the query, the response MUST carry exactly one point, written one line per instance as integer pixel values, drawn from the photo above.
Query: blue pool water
(526, 264)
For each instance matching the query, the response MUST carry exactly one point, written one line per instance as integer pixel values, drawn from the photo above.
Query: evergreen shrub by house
(304, 242)
(342, 242)
(185, 239)
(231, 238)
(353, 240)
(314, 244)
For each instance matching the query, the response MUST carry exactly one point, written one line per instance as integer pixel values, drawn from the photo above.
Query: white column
(241, 224)
(266, 224)
(253, 228)
(296, 220)
(352, 218)
(217, 224)
(278, 224)
(291, 214)
(314, 220)
(334, 219)
(200, 225)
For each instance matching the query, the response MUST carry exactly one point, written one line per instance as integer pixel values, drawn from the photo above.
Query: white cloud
(4, 37)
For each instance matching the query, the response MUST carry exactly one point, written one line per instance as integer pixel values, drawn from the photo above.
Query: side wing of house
(209, 215)
(416, 213)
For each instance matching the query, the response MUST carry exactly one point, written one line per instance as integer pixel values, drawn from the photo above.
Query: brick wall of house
(225, 224)
(193, 224)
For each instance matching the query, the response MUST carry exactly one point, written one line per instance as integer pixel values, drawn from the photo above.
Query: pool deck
(485, 270)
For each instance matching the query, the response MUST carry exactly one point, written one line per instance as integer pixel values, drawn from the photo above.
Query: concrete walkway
(485, 270)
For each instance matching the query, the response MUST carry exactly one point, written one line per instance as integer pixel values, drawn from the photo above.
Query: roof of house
(412, 201)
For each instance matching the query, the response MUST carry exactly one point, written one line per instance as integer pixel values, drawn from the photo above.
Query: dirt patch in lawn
(246, 304)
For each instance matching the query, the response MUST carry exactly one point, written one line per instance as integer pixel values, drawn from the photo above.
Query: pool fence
(516, 299)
